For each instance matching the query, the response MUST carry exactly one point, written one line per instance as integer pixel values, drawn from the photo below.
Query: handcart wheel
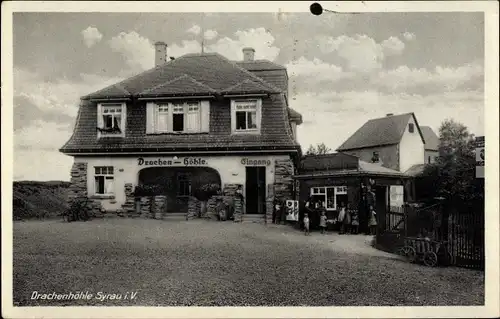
(430, 259)
(411, 254)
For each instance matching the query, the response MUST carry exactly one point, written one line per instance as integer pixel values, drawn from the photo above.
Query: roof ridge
(136, 76)
(175, 80)
(249, 73)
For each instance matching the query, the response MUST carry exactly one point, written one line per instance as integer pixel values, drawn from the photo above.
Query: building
(342, 178)
(431, 144)
(393, 141)
(189, 121)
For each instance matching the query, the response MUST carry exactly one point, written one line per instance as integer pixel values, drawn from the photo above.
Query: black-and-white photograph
(324, 156)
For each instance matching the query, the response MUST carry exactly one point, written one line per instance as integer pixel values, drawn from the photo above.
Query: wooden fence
(464, 231)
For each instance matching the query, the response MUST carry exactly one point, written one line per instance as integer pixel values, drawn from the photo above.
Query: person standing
(341, 217)
(354, 221)
(306, 224)
(322, 219)
(372, 222)
(346, 223)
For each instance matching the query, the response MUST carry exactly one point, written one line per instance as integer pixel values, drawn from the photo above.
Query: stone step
(254, 218)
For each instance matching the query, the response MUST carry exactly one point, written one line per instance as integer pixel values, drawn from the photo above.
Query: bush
(149, 190)
(206, 191)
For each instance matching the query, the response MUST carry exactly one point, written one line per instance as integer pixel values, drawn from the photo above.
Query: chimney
(248, 54)
(160, 53)
(389, 114)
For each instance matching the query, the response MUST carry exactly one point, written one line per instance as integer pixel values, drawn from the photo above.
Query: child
(354, 221)
(322, 221)
(306, 224)
(372, 223)
(341, 218)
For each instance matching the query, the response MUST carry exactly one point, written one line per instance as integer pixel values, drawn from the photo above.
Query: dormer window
(411, 127)
(375, 157)
(246, 116)
(111, 119)
(178, 117)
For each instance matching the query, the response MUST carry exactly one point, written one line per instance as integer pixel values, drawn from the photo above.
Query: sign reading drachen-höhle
(187, 161)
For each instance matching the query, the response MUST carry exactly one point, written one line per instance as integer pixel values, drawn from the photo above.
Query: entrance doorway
(255, 190)
(381, 204)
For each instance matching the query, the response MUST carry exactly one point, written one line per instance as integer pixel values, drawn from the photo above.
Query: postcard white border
(491, 308)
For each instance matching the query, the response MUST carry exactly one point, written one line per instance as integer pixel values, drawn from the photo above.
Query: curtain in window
(252, 119)
(162, 121)
(109, 185)
(117, 121)
(193, 120)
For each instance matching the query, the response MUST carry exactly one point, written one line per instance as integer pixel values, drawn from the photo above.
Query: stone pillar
(158, 207)
(283, 182)
(211, 207)
(234, 200)
(194, 207)
(78, 187)
(269, 203)
(238, 210)
(129, 206)
(145, 207)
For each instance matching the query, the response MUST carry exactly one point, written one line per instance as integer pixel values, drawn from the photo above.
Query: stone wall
(269, 204)
(158, 206)
(145, 207)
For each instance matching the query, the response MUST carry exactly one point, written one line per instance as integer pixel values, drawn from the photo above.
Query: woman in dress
(372, 222)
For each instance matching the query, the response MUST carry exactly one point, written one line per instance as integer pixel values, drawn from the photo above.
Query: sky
(344, 69)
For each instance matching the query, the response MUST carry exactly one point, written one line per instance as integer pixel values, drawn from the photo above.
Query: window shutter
(124, 119)
(259, 113)
(150, 117)
(205, 116)
(99, 115)
(233, 117)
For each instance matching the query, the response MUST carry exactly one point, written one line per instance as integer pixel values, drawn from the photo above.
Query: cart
(432, 253)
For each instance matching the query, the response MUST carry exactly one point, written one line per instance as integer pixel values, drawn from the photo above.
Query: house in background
(192, 120)
(431, 144)
(393, 141)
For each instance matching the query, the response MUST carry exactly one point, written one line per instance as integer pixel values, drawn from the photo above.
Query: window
(375, 157)
(245, 116)
(104, 180)
(111, 119)
(162, 118)
(184, 185)
(182, 117)
(331, 196)
(178, 117)
(411, 127)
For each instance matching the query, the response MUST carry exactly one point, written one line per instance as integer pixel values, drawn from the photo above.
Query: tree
(320, 149)
(452, 176)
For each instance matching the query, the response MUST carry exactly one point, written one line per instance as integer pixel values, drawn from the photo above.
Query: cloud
(392, 46)
(137, 51)
(345, 112)
(91, 36)
(259, 39)
(440, 79)
(195, 29)
(409, 36)
(210, 34)
(313, 75)
(361, 53)
(43, 135)
(54, 98)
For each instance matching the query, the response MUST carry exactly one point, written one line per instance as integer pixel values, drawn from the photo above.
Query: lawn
(208, 263)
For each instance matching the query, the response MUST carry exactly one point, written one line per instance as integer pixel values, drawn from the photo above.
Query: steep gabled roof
(431, 139)
(208, 69)
(386, 130)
